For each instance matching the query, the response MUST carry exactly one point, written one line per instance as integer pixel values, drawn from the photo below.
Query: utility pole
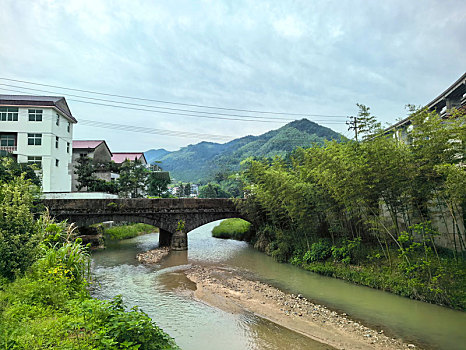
(353, 124)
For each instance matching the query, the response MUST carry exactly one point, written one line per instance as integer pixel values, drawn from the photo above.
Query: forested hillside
(201, 161)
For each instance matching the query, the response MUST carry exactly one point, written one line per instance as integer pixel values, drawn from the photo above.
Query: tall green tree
(187, 189)
(132, 180)
(85, 172)
(157, 183)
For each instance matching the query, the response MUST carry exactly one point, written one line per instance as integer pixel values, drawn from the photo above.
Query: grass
(446, 287)
(49, 311)
(238, 229)
(128, 231)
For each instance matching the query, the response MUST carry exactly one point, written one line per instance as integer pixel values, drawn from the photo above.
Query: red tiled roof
(121, 157)
(86, 143)
(59, 102)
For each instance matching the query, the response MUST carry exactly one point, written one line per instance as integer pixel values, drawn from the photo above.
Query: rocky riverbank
(153, 256)
(226, 289)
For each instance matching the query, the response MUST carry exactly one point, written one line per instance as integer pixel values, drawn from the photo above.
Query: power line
(149, 106)
(175, 113)
(138, 129)
(133, 128)
(162, 112)
(175, 103)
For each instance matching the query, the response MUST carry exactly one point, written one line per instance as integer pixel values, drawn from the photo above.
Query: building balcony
(9, 149)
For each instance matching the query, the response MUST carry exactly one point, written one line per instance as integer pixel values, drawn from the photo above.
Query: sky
(296, 57)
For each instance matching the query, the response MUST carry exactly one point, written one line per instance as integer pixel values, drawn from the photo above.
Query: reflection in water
(161, 292)
(198, 326)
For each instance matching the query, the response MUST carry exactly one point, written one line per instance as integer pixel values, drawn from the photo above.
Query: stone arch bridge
(163, 213)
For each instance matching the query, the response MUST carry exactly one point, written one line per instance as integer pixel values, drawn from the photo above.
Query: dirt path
(227, 290)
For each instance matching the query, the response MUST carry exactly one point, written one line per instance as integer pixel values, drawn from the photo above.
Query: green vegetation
(213, 190)
(44, 275)
(128, 231)
(135, 179)
(238, 229)
(200, 162)
(369, 211)
(157, 183)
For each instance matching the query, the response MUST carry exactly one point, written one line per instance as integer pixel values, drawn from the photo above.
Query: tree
(213, 190)
(85, 172)
(132, 180)
(10, 169)
(157, 183)
(187, 190)
(365, 124)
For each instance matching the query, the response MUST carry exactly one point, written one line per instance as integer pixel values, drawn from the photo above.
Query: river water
(160, 291)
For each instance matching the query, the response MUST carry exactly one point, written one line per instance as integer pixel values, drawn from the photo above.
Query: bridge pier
(164, 212)
(179, 241)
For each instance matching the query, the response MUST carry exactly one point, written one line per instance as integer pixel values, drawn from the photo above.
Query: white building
(39, 129)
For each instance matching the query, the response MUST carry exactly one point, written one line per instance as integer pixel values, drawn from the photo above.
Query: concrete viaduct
(162, 213)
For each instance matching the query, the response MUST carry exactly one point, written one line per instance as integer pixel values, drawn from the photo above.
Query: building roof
(86, 143)
(89, 144)
(121, 157)
(58, 102)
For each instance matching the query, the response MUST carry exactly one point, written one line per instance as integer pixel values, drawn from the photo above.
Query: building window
(8, 114)
(58, 120)
(56, 141)
(7, 140)
(35, 139)
(35, 115)
(67, 147)
(57, 162)
(69, 127)
(35, 160)
(82, 155)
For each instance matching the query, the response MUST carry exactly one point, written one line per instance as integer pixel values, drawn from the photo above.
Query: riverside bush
(238, 229)
(128, 231)
(19, 236)
(320, 251)
(50, 308)
(44, 275)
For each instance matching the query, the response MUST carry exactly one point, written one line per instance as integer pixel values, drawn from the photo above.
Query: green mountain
(201, 161)
(155, 154)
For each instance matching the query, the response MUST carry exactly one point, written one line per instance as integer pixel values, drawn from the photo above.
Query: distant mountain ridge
(202, 160)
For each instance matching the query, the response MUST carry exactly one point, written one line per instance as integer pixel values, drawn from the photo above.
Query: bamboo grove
(387, 201)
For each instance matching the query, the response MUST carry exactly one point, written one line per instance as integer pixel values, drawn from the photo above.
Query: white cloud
(300, 56)
(290, 27)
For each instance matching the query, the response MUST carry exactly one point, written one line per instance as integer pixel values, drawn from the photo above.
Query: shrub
(128, 231)
(346, 252)
(18, 234)
(320, 251)
(238, 229)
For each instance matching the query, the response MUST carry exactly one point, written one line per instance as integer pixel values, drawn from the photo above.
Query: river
(160, 291)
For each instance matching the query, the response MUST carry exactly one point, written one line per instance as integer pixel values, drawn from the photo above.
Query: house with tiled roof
(39, 130)
(120, 157)
(98, 151)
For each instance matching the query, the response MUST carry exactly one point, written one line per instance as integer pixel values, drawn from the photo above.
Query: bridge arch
(162, 213)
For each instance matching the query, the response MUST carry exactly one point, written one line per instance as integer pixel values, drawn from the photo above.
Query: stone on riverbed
(153, 256)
